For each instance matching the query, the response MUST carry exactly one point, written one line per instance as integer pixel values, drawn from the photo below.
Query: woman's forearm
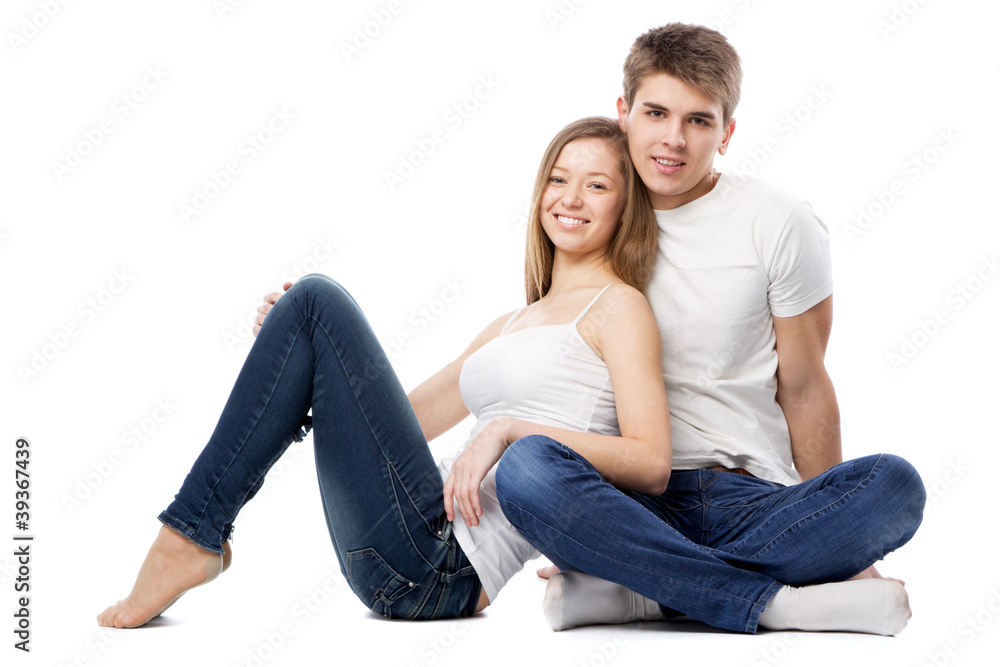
(629, 463)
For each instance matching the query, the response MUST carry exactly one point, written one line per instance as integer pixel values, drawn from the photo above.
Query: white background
(865, 97)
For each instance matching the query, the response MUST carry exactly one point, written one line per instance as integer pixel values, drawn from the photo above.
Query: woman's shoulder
(621, 315)
(621, 301)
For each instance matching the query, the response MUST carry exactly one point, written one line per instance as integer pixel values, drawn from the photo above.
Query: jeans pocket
(441, 529)
(377, 584)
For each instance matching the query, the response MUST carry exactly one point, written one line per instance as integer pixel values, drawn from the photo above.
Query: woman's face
(582, 203)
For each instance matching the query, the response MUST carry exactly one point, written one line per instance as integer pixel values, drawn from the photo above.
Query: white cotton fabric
(727, 262)
(545, 375)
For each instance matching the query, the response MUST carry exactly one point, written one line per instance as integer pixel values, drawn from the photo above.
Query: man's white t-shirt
(727, 262)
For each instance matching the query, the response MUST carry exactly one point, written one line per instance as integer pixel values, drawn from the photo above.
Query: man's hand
(265, 307)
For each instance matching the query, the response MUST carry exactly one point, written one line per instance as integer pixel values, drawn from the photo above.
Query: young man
(759, 500)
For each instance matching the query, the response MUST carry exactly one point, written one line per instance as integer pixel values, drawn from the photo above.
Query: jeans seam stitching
(823, 510)
(630, 565)
(253, 427)
(368, 423)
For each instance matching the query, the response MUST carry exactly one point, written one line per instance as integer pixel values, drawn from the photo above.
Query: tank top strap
(590, 305)
(511, 319)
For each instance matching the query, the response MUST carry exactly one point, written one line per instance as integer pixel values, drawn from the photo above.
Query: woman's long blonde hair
(632, 251)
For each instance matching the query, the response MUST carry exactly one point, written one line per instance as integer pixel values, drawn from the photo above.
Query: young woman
(580, 363)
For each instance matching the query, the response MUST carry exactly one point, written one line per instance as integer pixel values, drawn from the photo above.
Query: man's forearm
(814, 425)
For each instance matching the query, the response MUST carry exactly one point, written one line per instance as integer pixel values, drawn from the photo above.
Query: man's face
(674, 131)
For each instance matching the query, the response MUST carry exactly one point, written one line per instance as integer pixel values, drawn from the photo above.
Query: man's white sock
(573, 599)
(875, 606)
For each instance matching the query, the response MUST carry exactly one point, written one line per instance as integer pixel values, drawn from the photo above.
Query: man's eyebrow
(707, 115)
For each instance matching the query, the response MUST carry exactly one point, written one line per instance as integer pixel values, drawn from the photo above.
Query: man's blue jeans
(381, 490)
(716, 545)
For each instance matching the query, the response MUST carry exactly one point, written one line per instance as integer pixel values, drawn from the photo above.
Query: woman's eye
(556, 179)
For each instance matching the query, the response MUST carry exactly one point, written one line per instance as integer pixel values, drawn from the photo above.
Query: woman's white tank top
(544, 375)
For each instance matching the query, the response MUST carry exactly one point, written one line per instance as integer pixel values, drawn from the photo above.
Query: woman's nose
(572, 197)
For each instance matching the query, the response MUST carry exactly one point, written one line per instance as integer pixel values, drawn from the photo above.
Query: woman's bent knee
(316, 290)
(317, 283)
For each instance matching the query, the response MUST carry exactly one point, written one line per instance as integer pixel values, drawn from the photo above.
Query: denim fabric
(716, 545)
(381, 490)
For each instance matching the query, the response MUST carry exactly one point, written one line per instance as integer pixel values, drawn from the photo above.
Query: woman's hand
(472, 466)
(263, 308)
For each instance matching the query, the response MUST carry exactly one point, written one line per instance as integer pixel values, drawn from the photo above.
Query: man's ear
(622, 112)
(728, 135)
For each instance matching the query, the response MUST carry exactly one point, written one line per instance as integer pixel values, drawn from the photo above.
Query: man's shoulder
(748, 189)
(766, 208)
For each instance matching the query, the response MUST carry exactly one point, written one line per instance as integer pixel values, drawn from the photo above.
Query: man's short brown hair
(698, 56)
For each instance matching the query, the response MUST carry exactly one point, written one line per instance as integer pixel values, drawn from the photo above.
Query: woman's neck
(573, 271)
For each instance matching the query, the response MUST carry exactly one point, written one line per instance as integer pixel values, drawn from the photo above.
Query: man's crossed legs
(718, 546)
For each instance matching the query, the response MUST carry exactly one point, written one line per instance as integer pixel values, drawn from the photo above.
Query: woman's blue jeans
(381, 490)
(716, 545)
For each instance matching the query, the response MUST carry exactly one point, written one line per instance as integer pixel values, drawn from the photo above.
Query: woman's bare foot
(173, 566)
(547, 571)
(227, 557)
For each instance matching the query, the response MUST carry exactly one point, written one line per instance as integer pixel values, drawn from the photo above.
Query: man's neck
(670, 202)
